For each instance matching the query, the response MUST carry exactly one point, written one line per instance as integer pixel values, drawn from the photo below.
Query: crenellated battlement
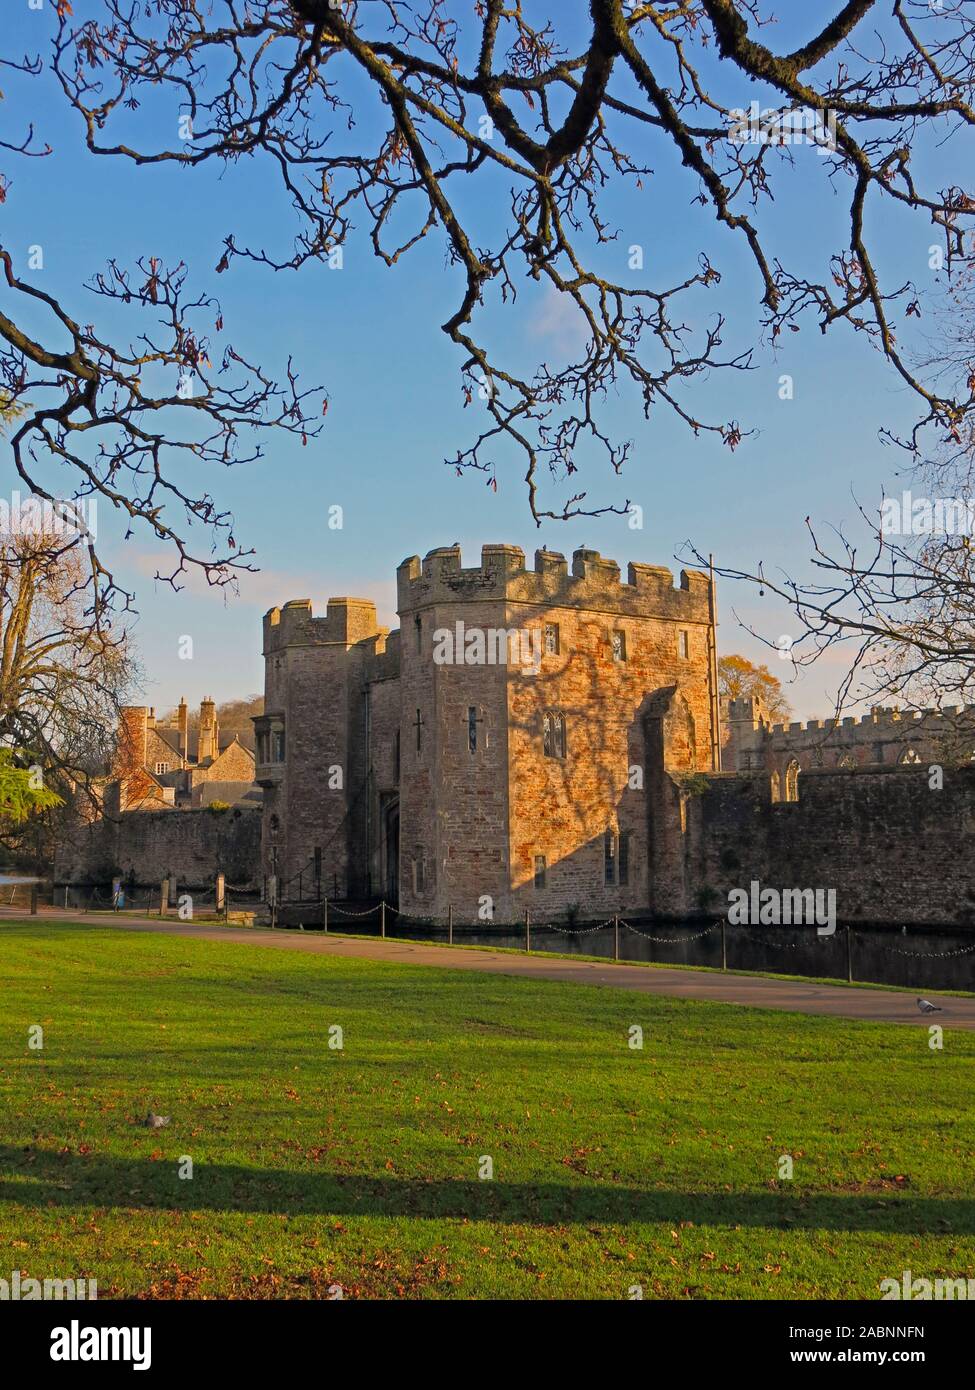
(888, 721)
(593, 582)
(346, 621)
(927, 721)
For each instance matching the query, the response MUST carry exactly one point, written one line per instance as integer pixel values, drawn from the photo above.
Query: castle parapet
(346, 621)
(594, 581)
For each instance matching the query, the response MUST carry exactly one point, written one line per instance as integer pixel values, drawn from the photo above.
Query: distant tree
(738, 677)
(234, 716)
(63, 677)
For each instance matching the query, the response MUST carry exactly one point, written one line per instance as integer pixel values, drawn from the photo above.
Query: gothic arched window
(792, 781)
(553, 733)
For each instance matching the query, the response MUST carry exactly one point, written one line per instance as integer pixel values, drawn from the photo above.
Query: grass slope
(317, 1169)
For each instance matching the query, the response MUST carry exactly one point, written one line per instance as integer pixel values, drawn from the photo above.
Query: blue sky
(371, 336)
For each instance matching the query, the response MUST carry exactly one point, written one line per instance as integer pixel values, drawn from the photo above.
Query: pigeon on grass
(155, 1121)
(927, 1007)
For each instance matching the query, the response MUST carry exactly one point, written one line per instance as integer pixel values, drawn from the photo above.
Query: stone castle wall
(894, 849)
(144, 847)
(633, 818)
(884, 737)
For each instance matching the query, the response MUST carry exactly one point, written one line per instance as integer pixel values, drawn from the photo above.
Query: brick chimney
(183, 723)
(133, 737)
(206, 747)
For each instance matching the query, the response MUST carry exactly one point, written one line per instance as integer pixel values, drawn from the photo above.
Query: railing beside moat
(910, 955)
(938, 957)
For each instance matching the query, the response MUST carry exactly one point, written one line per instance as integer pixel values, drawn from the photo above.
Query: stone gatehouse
(504, 746)
(550, 740)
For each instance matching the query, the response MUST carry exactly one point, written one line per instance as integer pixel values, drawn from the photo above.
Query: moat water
(917, 957)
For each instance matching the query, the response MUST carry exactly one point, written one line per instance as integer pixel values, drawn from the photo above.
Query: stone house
(159, 765)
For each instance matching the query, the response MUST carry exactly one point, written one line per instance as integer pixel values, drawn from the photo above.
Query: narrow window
(540, 870)
(472, 723)
(419, 876)
(396, 754)
(161, 767)
(418, 628)
(609, 856)
(619, 645)
(278, 746)
(623, 864)
(551, 639)
(559, 731)
(792, 781)
(419, 732)
(683, 646)
(553, 733)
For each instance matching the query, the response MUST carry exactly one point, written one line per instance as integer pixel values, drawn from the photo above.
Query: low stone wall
(894, 849)
(144, 847)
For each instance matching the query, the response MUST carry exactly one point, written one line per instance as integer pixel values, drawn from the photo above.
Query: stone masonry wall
(894, 850)
(883, 737)
(488, 814)
(191, 846)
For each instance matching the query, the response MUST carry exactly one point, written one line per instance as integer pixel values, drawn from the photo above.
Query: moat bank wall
(894, 849)
(144, 847)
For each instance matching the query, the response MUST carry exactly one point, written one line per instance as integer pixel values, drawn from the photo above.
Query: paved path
(878, 1005)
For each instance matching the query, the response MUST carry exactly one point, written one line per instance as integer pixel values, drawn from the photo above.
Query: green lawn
(316, 1168)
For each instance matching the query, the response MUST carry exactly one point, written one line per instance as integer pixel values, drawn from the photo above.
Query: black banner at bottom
(180, 1338)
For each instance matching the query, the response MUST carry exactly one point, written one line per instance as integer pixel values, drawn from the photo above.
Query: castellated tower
(508, 750)
(311, 746)
(523, 785)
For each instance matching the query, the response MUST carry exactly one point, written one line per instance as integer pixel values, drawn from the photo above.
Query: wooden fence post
(450, 924)
(164, 898)
(220, 892)
(528, 931)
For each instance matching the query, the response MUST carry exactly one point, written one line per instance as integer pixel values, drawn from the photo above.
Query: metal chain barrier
(669, 940)
(410, 916)
(573, 931)
(934, 955)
